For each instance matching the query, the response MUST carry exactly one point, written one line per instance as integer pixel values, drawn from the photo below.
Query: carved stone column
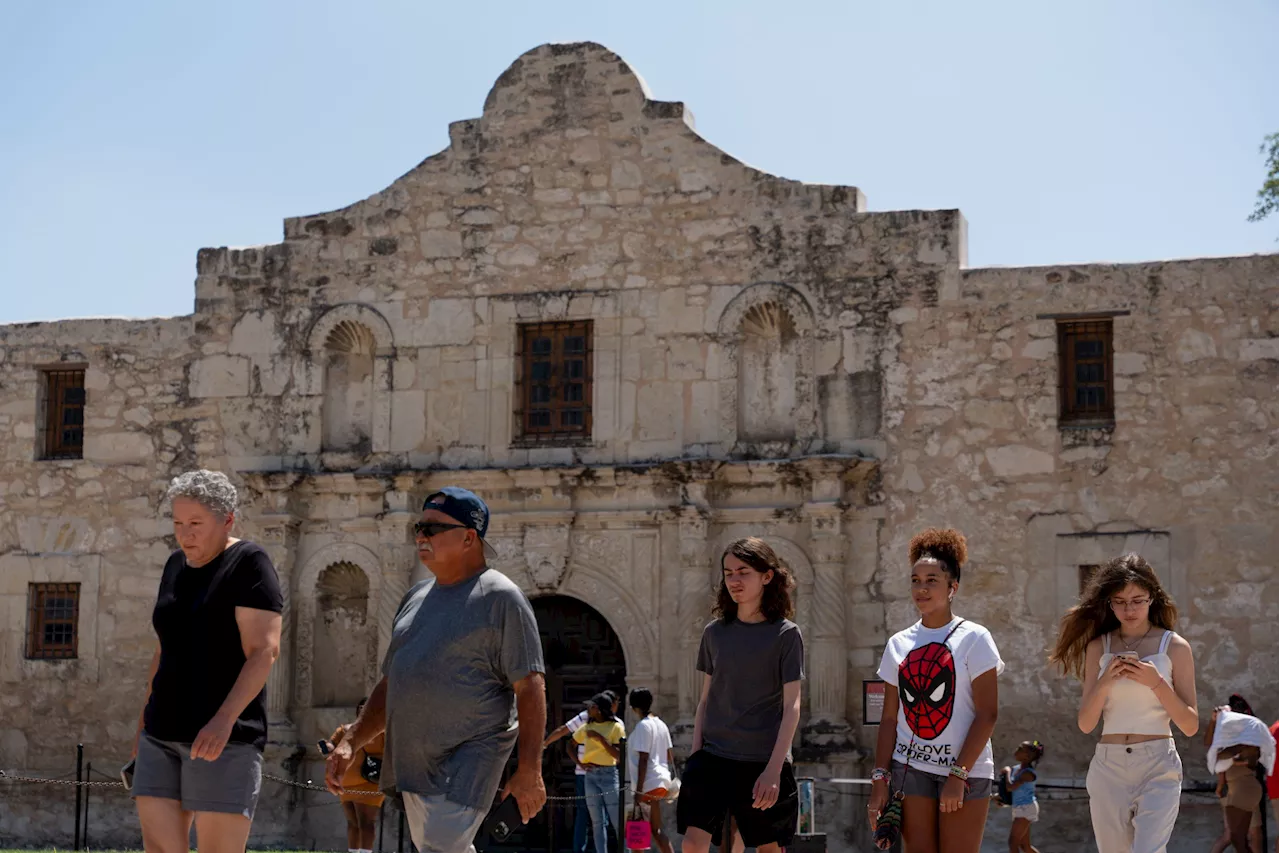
(693, 611)
(280, 529)
(399, 559)
(828, 668)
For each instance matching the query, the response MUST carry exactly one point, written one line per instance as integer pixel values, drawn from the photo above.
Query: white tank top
(1132, 708)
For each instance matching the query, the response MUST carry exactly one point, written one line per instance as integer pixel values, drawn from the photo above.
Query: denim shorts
(920, 783)
(230, 784)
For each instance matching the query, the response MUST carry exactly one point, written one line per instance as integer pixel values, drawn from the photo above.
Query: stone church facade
(637, 349)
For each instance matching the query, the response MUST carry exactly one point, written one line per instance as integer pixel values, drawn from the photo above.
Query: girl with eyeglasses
(1139, 676)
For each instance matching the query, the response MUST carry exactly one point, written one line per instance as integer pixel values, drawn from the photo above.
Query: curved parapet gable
(576, 94)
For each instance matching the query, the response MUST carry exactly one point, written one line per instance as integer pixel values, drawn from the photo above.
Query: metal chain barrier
(308, 786)
(68, 782)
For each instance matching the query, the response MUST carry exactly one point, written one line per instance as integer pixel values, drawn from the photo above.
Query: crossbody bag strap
(906, 765)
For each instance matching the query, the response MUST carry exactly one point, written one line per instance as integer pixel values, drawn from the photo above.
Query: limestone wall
(93, 521)
(573, 196)
(1187, 477)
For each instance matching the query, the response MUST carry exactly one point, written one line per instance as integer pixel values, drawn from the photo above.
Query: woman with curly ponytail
(1138, 677)
(933, 772)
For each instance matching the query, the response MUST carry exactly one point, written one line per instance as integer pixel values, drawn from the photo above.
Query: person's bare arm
(610, 748)
(260, 641)
(146, 700)
(371, 723)
(886, 740)
(1096, 688)
(526, 783)
(1026, 777)
(767, 787)
(556, 734)
(701, 714)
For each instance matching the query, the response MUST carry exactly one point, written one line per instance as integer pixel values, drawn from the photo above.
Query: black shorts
(712, 787)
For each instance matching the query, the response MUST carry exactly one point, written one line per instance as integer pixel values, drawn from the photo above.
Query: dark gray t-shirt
(748, 663)
(455, 653)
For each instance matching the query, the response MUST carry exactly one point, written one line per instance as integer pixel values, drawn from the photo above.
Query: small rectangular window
(553, 379)
(1086, 575)
(62, 417)
(1085, 372)
(53, 620)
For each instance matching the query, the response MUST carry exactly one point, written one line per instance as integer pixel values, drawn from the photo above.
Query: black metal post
(79, 779)
(84, 834)
(400, 839)
(620, 829)
(381, 809)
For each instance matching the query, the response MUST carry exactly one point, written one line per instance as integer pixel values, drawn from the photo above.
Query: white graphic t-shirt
(577, 722)
(935, 692)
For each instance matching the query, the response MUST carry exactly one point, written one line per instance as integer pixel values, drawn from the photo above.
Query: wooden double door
(583, 656)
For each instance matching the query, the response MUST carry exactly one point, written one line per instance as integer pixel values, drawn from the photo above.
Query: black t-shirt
(200, 650)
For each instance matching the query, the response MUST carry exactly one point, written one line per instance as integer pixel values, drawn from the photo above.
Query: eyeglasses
(427, 529)
(1136, 604)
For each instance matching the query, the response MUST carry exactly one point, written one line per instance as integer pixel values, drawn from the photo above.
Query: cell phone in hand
(324, 746)
(126, 774)
(1133, 655)
(504, 819)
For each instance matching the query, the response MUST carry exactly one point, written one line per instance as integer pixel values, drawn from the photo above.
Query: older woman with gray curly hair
(198, 750)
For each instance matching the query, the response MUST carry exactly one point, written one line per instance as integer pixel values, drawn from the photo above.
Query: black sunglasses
(431, 528)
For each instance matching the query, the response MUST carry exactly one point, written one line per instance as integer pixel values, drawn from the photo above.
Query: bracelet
(959, 772)
(880, 774)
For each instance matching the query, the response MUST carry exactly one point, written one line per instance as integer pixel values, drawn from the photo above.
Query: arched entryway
(583, 655)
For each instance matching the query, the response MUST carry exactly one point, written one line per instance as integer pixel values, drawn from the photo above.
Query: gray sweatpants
(1134, 792)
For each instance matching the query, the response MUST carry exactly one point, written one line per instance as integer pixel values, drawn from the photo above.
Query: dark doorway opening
(583, 656)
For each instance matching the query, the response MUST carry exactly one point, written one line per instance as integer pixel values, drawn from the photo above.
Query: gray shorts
(919, 783)
(230, 784)
(439, 825)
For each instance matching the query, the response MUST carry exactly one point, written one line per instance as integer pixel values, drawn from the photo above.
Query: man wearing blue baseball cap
(462, 683)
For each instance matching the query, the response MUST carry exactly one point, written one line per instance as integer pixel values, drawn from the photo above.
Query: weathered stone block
(220, 376)
(441, 243)
(1018, 460)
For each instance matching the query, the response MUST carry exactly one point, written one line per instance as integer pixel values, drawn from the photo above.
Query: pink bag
(639, 835)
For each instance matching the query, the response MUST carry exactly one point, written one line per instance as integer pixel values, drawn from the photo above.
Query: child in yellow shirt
(600, 738)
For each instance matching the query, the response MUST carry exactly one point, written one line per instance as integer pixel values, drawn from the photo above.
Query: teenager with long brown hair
(752, 662)
(1138, 677)
(940, 704)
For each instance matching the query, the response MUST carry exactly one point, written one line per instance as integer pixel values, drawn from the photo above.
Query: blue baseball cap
(464, 507)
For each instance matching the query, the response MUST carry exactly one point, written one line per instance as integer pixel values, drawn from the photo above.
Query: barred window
(53, 620)
(1085, 372)
(553, 382)
(63, 415)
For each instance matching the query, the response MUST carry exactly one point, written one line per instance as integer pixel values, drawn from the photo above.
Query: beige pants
(1134, 792)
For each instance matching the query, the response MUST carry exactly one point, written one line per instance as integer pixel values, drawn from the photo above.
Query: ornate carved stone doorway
(584, 656)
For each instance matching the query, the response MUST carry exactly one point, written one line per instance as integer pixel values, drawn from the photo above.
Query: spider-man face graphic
(927, 686)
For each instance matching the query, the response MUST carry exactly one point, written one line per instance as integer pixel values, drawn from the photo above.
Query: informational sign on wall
(872, 701)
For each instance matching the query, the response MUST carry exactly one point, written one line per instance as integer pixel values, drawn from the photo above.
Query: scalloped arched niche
(349, 354)
(343, 641)
(767, 393)
(330, 581)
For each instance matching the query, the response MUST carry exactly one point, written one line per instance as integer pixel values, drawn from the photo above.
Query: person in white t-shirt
(582, 840)
(649, 764)
(940, 700)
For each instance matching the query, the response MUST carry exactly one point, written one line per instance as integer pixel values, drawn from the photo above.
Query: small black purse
(889, 822)
(371, 768)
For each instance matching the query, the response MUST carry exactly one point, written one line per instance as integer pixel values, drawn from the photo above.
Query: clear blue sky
(133, 133)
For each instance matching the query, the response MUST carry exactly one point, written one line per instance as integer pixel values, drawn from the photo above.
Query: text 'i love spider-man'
(927, 682)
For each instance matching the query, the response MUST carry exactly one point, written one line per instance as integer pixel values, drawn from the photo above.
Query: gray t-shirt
(454, 655)
(748, 663)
